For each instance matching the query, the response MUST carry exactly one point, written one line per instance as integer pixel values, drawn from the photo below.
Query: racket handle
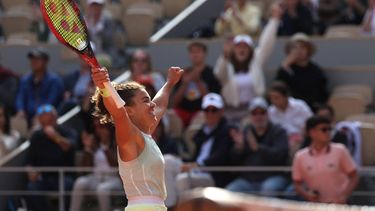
(118, 101)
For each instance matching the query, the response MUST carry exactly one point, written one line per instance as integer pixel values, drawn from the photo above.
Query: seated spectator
(261, 143)
(197, 81)
(39, 87)
(305, 79)
(368, 23)
(102, 29)
(240, 70)
(329, 13)
(239, 17)
(76, 84)
(99, 153)
(141, 70)
(52, 145)
(333, 182)
(9, 138)
(8, 82)
(289, 112)
(213, 145)
(296, 18)
(353, 12)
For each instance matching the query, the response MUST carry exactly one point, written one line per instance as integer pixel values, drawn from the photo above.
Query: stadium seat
(20, 124)
(115, 10)
(364, 90)
(364, 118)
(172, 7)
(16, 23)
(346, 104)
(27, 38)
(139, 25)
(126, 3)
(343, 31)
(156, 8)
(8, 4)
(368, 144)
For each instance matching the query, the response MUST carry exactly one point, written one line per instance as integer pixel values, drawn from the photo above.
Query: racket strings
(67, 23)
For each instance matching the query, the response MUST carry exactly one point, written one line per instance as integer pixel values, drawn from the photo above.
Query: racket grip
(118, 101)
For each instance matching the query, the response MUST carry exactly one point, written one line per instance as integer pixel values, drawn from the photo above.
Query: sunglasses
(255, 113)
(211, 110)
(44, 109)
(325, 129)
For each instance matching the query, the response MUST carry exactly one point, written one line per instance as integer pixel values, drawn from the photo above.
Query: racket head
(64, 19)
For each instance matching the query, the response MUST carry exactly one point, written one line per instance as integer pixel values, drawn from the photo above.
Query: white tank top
(144, 176)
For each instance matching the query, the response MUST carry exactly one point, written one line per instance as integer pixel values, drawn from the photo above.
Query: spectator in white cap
(261, 143)
(240, 68)
(213, 145)
(238, 17)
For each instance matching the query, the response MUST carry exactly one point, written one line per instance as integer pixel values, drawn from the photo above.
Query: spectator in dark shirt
(50, 146)
(197, 81)
(38, 87)
(9, 86)
(296, 18)
(305, 79)
(353, 12)
(262, 143)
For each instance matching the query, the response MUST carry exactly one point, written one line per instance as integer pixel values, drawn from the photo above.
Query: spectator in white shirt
(289, 112)
(368, 24)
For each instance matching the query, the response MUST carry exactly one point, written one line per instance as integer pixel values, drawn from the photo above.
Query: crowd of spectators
(245, 123)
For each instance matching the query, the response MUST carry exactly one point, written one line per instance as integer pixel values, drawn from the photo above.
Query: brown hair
(126, 91)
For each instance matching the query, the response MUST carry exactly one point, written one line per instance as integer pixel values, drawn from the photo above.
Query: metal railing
(61, 192)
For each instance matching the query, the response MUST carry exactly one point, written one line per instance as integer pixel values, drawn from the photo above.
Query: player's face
(143, 109)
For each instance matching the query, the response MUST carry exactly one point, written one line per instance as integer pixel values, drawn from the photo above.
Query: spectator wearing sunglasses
(52, 145)
(261, 143)
(213, 145)
(324, 171)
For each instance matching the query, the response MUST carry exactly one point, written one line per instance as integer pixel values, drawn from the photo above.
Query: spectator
(213, 145)
(38, 87)
(102, 30)
(164, 142)
(305, 79)
(240, 70)
(141, 70)
(353, 12)
(368, 24)
(329, 13)
(9, 138)
(8, 82)
(99, 153)
(289, 112)
(296, 18)
(262, 143)
(197, 81)
(239, 17)
(332, 182)
(50, 146)
(76, 85)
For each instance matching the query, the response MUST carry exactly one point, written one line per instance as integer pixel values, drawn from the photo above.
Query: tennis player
(141, 164)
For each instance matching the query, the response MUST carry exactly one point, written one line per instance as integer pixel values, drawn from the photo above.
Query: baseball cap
(95, 1)
(243, 38)
(38, 52)
(46, 108)
(258, 102)
(212, 99)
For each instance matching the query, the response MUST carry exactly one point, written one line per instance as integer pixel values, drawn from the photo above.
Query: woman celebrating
(141, 164)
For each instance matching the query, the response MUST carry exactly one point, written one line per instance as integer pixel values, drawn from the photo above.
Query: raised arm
(161, 99)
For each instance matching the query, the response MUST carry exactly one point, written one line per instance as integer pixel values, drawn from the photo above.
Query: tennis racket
(66, 23)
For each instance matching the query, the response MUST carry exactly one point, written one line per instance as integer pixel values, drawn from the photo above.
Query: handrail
(123, 77)
(176, 20)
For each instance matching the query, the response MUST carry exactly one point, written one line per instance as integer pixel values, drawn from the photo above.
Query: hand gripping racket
(66, 23)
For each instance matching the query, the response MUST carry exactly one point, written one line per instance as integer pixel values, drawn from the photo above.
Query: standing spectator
(100, 153)
(353, 13)
(213, 145)
(296, 18)
(305, 79)
(323, 172)
(368, 24)
(8, 82)
(240, 70)
(38, 87)
(289, 112)
(50, 146)
(239, 17)
(262, 143)
(141, 70)
(197, 81)
(9, 138)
